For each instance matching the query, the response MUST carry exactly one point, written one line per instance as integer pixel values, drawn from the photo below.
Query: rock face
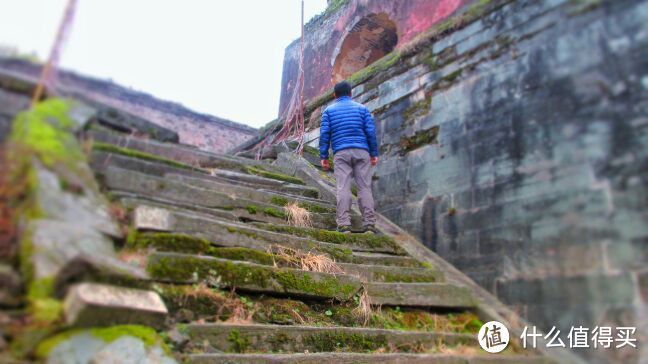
(352, 34)
(201, 130)
(513, 144)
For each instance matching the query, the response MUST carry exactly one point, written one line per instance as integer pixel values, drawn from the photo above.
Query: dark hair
(342, 89)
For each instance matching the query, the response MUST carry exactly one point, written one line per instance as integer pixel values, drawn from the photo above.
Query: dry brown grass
(306, 261)
(364, 311)
(120, 214)
(298, 216)
(241, 312)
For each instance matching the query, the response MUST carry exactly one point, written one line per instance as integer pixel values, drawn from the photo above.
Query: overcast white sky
(220, 57)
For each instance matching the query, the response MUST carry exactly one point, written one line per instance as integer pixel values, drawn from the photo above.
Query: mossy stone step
(262, 195)
(115, 178)
(182, 243)
(391, 274)
(185, 268)
(298, 339)
(357, 241)
(226, 233)
(355, 358)
(100, 160)
(160, 188)
(181, 153)
(371, 258)
(252, 213)
(137, 154)
(218, 305)
(420, 295)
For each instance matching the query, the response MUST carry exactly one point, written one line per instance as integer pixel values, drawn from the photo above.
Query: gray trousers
(353, 163)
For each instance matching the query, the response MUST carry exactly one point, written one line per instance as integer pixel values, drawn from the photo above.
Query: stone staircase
(211, 233)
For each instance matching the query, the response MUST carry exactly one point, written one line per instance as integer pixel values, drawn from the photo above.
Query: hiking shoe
(370, 229)
(344, 229)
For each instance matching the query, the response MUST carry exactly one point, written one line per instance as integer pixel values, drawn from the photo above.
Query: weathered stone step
(181, 153)
(92, 304)
(420, 295)
(226, 233)
(249, 214)
(180, 243)
(388, 259)
(135, 154)
(185, 268)
(189, 302)
(379, 243)
(356, 358)
(298, 339)
(147, 185)
(198, 244)
(378, 273)
(256, 194)
(101, 160)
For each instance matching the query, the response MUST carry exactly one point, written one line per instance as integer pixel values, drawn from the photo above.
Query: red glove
(325, 164)
(374, 161)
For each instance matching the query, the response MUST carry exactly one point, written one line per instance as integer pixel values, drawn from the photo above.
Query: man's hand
(325, 164)
(374, 161)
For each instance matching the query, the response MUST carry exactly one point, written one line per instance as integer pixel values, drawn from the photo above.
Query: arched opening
(370, 39)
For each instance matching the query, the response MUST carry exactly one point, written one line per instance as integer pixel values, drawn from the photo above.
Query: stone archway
(371, 38)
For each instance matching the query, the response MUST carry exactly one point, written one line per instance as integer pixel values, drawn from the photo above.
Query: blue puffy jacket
(347, 124)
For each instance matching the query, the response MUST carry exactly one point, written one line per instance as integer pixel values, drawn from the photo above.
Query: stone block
(153, 218)
(99, 269)
(88, 208)
(54, 244)
(420, 294)
(91, 304)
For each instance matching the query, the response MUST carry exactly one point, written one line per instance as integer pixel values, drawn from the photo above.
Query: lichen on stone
(274, 175)
(419, 139)
(132, 153)
(108, 334)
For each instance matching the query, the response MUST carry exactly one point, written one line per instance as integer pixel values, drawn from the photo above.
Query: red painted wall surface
(324, 37)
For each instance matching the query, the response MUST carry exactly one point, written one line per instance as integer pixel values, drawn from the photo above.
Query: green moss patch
(344, 341)
(274, 175)
(132, 153)
(417, 109)
(109, 334)
(183, 243)
(269, 211)
(244, 254)
(334, 237)
(419, 139)
(171, 242)
(248, 275)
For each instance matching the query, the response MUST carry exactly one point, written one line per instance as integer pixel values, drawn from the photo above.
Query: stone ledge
(91, 304)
